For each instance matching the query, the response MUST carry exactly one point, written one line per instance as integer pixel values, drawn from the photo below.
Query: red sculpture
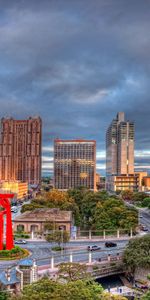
(4, 202)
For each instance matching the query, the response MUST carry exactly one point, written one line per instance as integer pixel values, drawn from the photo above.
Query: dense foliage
(137, 253)
(72, 271)
(46, 289)
(58, 236)
(146, 296)
(91, 210)
(16, 252)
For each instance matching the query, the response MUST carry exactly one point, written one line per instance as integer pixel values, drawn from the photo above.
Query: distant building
(120, 151)
(97, 181)
(146, 183)
(34, 221)
(123, 182)
(20, 150)
(74, 164)
(19, 189)
(141, 175)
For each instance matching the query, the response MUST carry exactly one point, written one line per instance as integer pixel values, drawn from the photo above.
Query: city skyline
(76, 64)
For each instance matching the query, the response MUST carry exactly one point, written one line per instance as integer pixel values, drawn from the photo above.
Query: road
(144, 216)
(41, 251)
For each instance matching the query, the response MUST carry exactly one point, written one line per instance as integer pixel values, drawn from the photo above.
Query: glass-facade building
(74, 164)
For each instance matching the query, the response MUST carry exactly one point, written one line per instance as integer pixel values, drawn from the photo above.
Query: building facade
(74, 164)
(120, 149)
(20, 150)
(116, 183)
(19, 189)
(34, 221)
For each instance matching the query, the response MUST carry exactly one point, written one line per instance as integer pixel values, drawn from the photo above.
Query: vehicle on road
(20, 242)
(14, 209)
(110, 244)
(93, 248)
(144, 228)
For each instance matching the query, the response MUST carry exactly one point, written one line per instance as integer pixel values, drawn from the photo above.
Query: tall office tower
(120, 146)
(20, 150)
(74, 164)
(120, 149)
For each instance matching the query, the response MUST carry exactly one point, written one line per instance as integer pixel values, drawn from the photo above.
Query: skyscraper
(120, 147)
(74, 164)
(20, 150)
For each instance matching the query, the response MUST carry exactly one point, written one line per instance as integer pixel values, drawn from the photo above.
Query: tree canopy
(96, 211)
(137, 253)
(46, 289)
(72, 271)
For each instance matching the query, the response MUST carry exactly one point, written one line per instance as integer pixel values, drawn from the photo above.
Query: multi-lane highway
(144, 217)
(42, 252)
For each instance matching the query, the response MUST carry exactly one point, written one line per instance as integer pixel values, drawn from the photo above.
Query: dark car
(110, 244)
(144, 229)
(20, 242)
(94, 248)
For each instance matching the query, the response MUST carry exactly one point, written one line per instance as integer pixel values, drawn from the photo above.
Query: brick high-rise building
(74, 164)
(120, 149)
(20, 150)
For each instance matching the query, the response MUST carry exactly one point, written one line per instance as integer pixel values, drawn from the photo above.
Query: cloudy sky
(76, 63)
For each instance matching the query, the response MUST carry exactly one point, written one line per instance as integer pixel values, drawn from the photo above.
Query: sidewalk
(125, 238)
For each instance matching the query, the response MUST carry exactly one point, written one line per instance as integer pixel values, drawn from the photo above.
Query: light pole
(62, 241)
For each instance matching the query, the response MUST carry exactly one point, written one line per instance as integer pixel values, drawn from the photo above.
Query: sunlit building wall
(74, 164)
(20, 150)
(20, 189)
(120, 151)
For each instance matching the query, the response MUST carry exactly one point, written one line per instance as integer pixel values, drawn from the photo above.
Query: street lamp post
(62, 241)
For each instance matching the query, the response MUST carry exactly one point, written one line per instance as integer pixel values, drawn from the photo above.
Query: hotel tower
(74, 164)
(20, 150)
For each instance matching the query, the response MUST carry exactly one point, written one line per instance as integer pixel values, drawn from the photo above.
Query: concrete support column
(90, 235)
(108, 257)
(131, 233)
(71, 258)
(104, 234)
(118, 234)
(90, 257)
(52, 262)
(75, 236)
(32, 234)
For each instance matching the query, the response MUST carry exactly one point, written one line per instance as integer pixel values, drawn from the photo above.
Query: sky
(76, 63)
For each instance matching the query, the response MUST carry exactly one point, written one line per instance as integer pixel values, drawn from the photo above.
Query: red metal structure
(5, 203)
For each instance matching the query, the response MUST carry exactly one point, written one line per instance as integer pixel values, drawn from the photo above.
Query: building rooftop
(26, 262)
(45, 215)
(13, 277)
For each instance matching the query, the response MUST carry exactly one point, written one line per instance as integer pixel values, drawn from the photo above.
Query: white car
(14, 209)
(20, 242)
(93, 248)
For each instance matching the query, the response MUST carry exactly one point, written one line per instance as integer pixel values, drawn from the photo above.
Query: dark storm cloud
(76, 63)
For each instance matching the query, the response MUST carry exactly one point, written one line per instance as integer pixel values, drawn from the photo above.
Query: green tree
(127, 195)
(146, 202)
(102, 220)
(139, 196)
(58, 236)
(46, 289)
(4, 294)
(146, 296)
(72, 271)
(137, 253)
